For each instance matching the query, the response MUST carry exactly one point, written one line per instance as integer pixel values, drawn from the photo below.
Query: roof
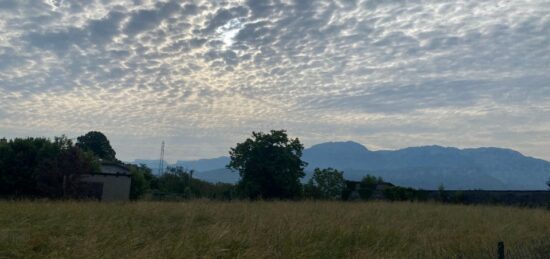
(112, 163)
(121, 168)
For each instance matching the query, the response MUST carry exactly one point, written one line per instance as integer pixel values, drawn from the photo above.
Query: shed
(112, 183)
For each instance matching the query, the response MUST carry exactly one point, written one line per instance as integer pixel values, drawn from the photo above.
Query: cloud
(8, 5)
(203, 74)
(223, 16)
(148, 19)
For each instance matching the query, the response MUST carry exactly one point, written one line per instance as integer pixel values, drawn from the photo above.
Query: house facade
(112, 183)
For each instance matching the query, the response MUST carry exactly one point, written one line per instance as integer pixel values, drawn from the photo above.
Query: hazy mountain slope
(221, 175)
(426, 167)
(420, 167)
(339, 155)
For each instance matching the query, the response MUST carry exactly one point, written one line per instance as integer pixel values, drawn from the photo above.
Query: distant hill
(221, 175)
(429, 166)
(419, 167)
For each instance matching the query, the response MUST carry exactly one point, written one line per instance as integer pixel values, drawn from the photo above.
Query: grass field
(268, 230)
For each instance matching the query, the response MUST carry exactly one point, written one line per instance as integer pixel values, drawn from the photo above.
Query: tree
(39, 167)
(141, 181)
(269, 164)
(176, 181)
(60, 177)
(370, 181)
(367, 186)
(97, 143)
(19, 160)
(327, 183)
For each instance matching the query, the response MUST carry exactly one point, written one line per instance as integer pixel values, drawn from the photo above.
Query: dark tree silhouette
(326, 183)
(60, 177)
(141, 180)
(97, 143)
(39, 167)
(269, 165)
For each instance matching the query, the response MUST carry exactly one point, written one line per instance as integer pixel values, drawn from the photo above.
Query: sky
(202, 75)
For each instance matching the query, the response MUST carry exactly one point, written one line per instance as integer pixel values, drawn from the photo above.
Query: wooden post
(500, 250)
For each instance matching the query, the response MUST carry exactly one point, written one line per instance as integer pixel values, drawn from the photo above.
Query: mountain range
(425, 167)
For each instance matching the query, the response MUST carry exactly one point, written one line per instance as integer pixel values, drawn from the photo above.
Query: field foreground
(269, 230)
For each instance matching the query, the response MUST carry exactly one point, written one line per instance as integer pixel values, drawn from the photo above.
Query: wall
(115, 187)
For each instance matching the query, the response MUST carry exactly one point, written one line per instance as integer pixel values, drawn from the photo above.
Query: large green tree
(269, 164)
(97, 143)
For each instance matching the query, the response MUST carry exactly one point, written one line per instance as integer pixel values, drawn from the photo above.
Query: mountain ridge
(419, 167)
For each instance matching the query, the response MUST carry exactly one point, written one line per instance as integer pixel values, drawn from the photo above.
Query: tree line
(40, 167)
(269, 165)
(52, 168)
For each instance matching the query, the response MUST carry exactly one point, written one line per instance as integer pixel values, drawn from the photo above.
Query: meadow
(304, 229)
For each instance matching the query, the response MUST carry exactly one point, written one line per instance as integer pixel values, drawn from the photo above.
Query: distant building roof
(113, 168)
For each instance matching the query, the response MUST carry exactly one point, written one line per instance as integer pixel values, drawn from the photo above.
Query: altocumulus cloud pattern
(203, 74)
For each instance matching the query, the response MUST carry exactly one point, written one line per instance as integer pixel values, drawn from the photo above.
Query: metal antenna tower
(161, 161)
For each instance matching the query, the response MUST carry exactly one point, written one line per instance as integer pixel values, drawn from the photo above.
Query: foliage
(175, 181)
(458, 197)
(368, 185)
(178, 183)
(370, 181)
(441, 194)
(326, 183)
(397, 193)
(39, 167)
(270, 165)
(97, 143)
(311, 191)
(141, 181)
(60, 177)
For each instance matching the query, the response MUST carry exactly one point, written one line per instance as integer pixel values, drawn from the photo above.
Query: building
(112, 183)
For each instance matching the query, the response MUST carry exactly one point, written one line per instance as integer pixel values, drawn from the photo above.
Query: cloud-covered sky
(202, 75)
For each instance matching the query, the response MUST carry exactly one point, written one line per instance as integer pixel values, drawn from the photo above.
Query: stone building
(112, 183)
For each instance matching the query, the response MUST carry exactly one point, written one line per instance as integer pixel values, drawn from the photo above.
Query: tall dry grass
(268, 230)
